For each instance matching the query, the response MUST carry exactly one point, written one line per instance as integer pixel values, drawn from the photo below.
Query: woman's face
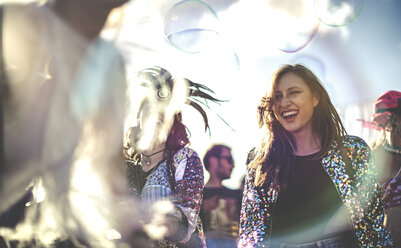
(294, 103)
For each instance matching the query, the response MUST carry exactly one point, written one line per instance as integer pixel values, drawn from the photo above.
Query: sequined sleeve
(188, 192)
(366, 200)
(248, 208)
(255, 214)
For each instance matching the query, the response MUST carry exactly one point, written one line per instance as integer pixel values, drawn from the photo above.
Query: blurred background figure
(221, 205)
(387, 151)
(160, 165)
(63, 95)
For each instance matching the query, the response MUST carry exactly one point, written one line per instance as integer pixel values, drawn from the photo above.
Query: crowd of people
(307, 182)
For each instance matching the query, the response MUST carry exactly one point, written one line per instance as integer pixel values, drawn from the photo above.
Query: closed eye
(278, 96)
(294, 92)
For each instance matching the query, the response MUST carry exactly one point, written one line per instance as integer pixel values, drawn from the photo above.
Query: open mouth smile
(289, 115)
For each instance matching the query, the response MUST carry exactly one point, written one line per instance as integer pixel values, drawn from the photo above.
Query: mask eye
(163, 94)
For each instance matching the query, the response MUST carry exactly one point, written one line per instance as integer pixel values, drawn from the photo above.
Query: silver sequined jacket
(361, 195)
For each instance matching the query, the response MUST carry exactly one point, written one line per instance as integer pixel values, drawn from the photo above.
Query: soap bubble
(298, 37)
(191, 26)
(296, 26)
(338, 13)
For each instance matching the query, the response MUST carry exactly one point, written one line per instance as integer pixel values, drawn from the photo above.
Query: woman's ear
(315, 101)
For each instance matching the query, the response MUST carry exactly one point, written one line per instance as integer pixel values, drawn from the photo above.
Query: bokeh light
(338, 13)
(191, 26)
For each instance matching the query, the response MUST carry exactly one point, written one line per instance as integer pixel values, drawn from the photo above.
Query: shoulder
(187, 157)
(250, 171)
(228, 191)
(356, 149)
(350, 140)
(355, 145)
(185, 153)
(187, 161)
(251, 155)
(221, 192)
(209, 192)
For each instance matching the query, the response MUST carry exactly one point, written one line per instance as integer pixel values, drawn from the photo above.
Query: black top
(304, 208)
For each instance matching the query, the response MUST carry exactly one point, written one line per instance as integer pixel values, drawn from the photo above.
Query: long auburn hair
(275, 154)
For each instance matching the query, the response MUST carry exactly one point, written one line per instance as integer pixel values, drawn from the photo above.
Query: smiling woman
(319, 181)
(294, 103)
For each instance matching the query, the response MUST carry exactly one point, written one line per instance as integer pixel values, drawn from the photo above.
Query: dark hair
(178, 136)
(274, 155)
(176, 139)
(213, 151)
(161, 82)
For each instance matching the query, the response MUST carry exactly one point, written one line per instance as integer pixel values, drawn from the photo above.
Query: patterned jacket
(186, 195)
(360, 193)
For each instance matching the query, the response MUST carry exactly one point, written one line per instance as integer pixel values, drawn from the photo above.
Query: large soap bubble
(296, 36)
(191, 26)
(296, 25)
(338, 13)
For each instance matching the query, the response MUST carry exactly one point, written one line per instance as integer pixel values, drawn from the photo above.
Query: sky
(233, 47)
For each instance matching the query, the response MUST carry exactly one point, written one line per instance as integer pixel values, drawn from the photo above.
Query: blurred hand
(392, 195)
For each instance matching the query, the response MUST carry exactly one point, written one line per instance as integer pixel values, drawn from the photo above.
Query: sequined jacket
(361, 195)
(186, 195)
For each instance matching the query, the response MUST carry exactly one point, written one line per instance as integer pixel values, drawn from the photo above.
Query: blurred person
(167, 169)
(63, 96)
(387, 152)
(221, 205)
(308, 184)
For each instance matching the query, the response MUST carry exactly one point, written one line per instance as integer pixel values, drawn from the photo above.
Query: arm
(368, 214)
(255, 211)
(245, 219)
(187, 195)
(392, 196)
